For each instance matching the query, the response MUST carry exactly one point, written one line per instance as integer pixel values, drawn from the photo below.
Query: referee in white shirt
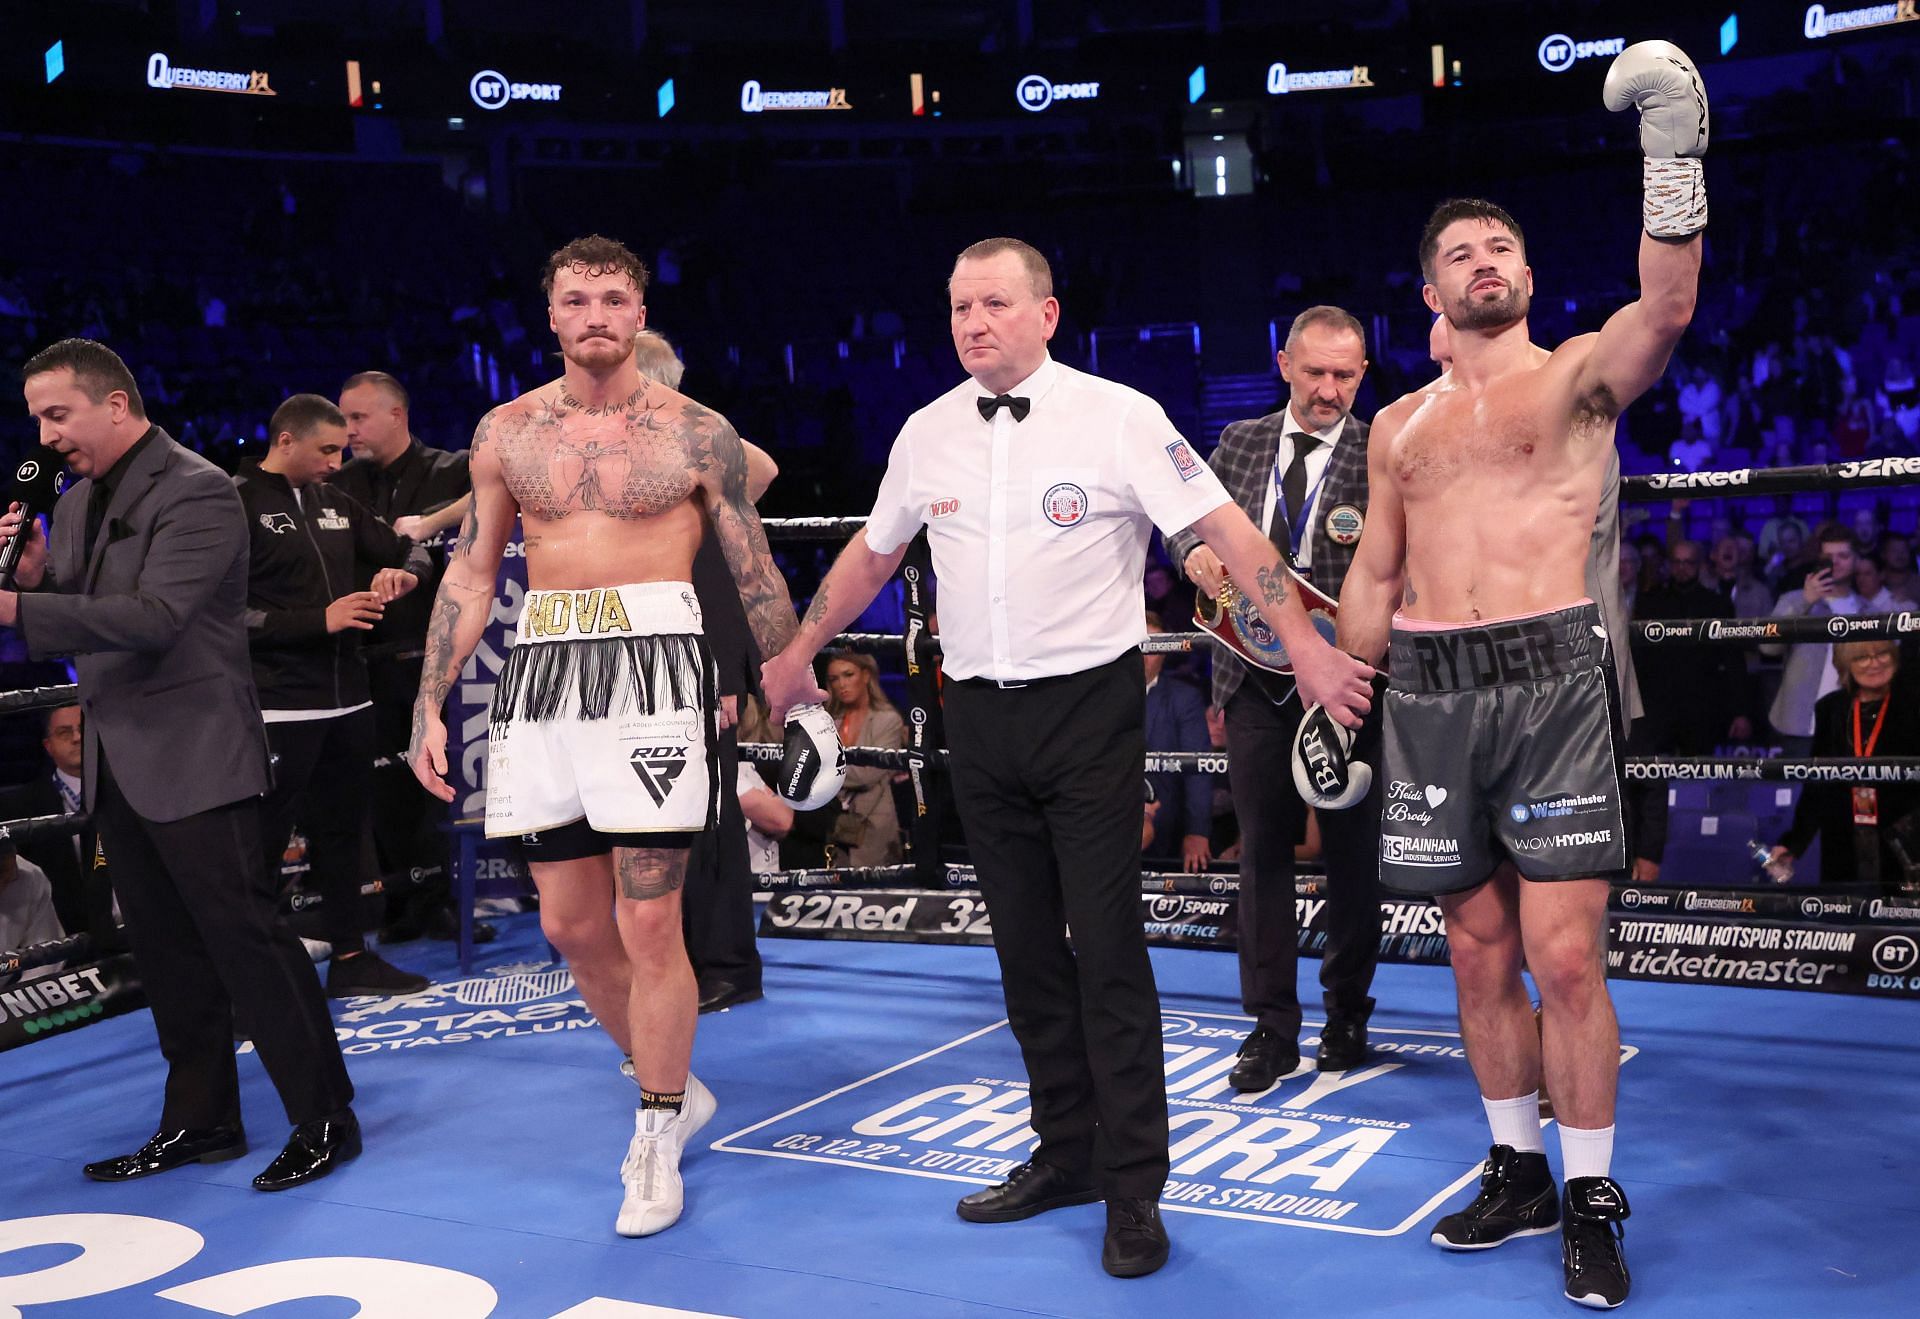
(1040, 487)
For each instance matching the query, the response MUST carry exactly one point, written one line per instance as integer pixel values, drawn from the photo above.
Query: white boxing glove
(1657, 78)
(1328, 778)
(813, 767)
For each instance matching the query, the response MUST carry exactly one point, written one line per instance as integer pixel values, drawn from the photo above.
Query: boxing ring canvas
(1761, 1142)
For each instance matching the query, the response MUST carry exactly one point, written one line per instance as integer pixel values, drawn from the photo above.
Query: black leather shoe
(1136, 1241)
(315, 1149)
(719, 995)
(170, 1149)
(367, 974)
(1265, 1057)
(1032, 1188)
(1343, 1044)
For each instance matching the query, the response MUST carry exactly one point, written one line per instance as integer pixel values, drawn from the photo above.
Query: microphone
(36, 484)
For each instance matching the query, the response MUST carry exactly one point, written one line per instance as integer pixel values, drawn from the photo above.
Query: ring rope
(1712, 769)
(1814, 478)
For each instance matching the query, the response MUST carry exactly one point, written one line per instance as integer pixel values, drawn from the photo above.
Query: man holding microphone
(146, 587)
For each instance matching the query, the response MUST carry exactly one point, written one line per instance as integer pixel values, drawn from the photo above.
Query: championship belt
(1232, 620)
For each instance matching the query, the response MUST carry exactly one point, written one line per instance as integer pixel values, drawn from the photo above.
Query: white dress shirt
(1316, 472)
(1039, 528)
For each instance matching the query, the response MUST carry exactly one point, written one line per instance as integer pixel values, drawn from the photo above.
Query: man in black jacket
(401, 479)
(310, 543)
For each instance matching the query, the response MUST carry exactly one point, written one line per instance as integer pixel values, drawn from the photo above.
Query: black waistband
(1472, 656)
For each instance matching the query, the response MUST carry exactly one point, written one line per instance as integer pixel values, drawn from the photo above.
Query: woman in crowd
(1873, 713)
(868, 831)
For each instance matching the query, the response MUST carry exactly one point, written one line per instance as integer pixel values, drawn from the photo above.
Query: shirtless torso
(614, 479)
(1499, 487)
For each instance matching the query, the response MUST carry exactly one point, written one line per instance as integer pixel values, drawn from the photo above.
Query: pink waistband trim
(1401, 623)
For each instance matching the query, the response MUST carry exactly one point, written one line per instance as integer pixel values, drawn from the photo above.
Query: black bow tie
(1019, 407)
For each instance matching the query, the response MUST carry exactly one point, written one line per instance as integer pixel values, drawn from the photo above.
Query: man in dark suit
(402, 480)
(1177, 721)
(145, 585)
(1301, 473)
(82, 899)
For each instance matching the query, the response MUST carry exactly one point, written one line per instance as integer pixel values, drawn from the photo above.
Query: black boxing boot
(1517, 1199)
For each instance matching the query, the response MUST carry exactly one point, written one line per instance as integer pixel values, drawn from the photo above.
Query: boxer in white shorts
(600, 726)
(603, 723)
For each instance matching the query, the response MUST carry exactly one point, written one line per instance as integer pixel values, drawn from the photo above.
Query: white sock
(1586, 1153)
(1516, 1122)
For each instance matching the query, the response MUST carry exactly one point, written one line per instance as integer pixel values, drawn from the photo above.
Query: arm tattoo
(714, 446)
(469, 530)
(1273, 588)
(650, 872)
(441, 663)
(817, 611)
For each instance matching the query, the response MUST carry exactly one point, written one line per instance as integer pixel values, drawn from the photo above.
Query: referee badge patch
(1064, 504)
(1344, 524)
(1185, 461)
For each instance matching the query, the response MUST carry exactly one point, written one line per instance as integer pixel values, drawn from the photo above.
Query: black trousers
(203, 920)
(1047, 781)
(1272, 820)
(717, 905)
(321, 779)
(406, 833)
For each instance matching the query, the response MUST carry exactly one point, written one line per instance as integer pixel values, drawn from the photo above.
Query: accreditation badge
(1344, 524)
(1866, 806)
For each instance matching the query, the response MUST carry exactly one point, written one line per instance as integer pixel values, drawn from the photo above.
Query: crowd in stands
(232, 284)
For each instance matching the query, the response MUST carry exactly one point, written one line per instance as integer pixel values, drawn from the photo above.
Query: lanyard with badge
(1297, 525)
(1866, 800)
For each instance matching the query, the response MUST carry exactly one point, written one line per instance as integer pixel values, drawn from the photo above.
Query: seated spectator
(1783, 548)
(1734, 580)
(1871, 713)
(1853, 428)
(1870, 585)
(1692, 451)
(26, 908)
(868, 831)
(1809, 673)
(1901, 401)
(82, 895)
(1694, 695)
(1699, 402)
(1629, 575)
(1869, 524)
(1896, 568)
(1181, 825)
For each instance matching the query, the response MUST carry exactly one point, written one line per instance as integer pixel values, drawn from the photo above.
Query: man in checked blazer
(145, 585)
(1301, 473)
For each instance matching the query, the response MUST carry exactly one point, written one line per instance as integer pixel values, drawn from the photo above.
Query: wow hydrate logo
(1306, 1153)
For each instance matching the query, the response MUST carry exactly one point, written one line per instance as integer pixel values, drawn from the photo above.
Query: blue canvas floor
(1763, 1143)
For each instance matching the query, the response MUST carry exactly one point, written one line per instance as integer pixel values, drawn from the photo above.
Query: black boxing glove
(813, 767)
(1324, 770)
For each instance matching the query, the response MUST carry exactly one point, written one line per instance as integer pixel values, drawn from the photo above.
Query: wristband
(1674, 199)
